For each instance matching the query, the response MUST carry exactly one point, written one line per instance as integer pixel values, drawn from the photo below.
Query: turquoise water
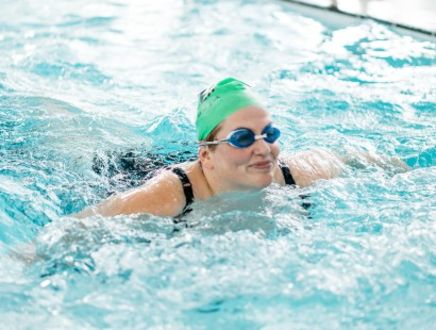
(83, 85)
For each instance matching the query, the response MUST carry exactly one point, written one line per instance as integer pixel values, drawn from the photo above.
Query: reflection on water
(96, 97)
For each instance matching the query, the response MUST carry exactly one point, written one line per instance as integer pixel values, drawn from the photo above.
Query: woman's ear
(205, 156)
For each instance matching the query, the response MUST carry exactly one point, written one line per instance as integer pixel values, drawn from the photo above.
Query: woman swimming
(238, 151)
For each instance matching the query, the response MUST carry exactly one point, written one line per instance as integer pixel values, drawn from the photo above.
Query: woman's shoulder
(311, 165)
(162, 195)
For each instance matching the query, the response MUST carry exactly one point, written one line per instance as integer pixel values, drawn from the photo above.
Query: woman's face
(246, 168)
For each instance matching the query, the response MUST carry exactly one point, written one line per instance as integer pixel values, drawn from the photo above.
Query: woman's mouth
(263, 165)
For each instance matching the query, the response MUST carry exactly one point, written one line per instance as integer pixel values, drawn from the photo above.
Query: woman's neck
(211, 184)
(216, 185)
(201, 182)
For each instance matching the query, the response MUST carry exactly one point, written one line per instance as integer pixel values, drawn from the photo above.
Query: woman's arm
(309, 166)
(365, 158)
(162, 196)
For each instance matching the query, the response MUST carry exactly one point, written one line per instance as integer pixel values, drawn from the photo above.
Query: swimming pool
(85, 88)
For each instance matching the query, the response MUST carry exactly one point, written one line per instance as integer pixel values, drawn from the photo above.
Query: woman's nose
(261, 147)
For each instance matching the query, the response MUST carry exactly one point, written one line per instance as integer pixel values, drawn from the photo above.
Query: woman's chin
(262, 181)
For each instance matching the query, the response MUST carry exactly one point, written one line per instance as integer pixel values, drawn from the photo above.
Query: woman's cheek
(235, 156)
(243, 157)
(275, 149)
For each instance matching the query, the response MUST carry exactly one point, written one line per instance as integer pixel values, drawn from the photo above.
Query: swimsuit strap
(290, 181)
(286, 173)
(187, 186)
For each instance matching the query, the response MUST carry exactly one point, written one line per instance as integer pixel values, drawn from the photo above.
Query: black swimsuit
(187, 186)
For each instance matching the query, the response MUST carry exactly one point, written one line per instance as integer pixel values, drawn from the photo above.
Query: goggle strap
(209, 143)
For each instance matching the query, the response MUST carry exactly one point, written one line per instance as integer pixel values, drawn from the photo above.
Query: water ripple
(96, 97)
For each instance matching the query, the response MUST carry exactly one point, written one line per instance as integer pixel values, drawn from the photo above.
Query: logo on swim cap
(219, 101)
(204, 94)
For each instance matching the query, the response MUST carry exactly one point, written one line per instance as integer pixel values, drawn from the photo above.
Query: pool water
(94, 96)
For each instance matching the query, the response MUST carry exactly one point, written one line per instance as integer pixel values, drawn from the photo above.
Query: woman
(238, 152)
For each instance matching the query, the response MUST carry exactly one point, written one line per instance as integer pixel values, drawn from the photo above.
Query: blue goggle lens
(272, 134)
(243, 138)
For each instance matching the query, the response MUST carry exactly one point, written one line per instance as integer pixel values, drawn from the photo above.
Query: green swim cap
(220, 101)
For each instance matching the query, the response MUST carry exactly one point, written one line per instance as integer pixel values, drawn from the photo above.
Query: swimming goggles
(245, 137)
